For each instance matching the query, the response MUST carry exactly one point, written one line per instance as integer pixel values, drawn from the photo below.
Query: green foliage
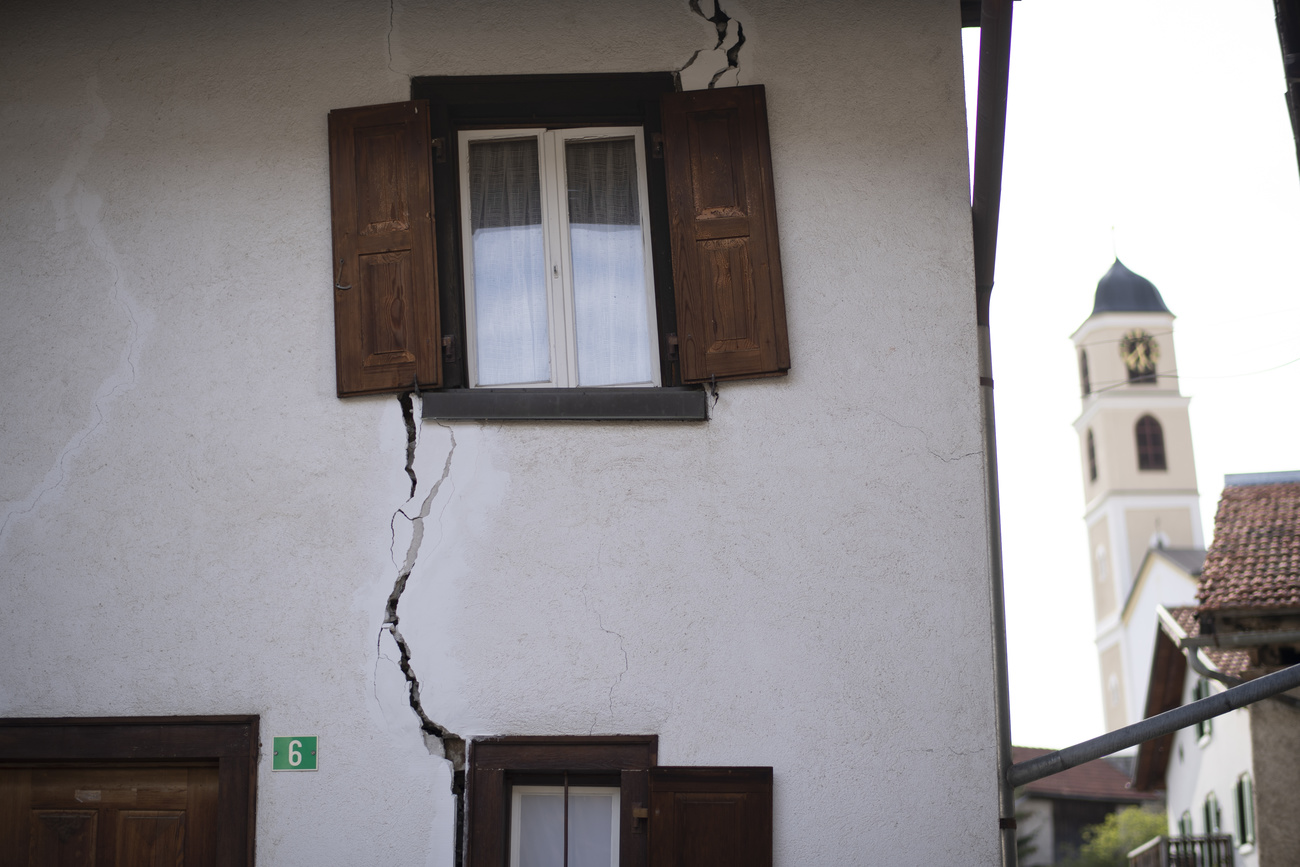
(1108, 843)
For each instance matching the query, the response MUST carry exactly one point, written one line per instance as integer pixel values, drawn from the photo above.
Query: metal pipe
(1161, 724)
(986, 193)
(1194, 660)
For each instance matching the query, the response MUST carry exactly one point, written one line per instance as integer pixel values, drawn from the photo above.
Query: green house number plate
(294, 754)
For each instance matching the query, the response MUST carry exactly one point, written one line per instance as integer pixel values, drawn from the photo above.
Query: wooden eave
(1164, 693)
(1288, 37)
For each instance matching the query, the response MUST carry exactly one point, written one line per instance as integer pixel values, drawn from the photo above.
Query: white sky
(1167, 121)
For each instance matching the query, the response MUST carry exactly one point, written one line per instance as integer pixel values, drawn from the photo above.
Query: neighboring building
(1235, 774)
(1052, 812)
(488, 603)
(1141, 508)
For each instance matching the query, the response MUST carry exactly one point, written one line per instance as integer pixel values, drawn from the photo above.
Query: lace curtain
(541, 830)
(510, 323)
(609, 290)
(611, 318)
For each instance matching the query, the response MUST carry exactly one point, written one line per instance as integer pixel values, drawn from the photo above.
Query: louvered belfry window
(1150, 444)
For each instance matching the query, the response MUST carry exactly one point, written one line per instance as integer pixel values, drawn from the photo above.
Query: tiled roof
(1229, 662)
(1191, 559)
(1254, 561)
(1097, 780)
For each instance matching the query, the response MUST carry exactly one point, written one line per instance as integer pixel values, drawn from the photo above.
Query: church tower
(1139, 478)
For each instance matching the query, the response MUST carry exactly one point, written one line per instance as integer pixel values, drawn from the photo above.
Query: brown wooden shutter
(385, 284)
(722, 217)
(710, 817)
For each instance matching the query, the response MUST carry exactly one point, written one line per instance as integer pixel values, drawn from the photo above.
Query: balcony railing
(1214, 850)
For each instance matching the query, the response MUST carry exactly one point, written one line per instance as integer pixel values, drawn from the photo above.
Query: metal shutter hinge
(672, 347)
(657, 145)
(439, 150)
(448, 347)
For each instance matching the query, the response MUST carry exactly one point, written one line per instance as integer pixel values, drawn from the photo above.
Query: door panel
(125, 816)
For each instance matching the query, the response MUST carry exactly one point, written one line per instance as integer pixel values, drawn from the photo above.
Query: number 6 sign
(294, 754)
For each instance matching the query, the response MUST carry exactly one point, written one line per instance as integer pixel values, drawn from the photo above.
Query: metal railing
(1214, 850)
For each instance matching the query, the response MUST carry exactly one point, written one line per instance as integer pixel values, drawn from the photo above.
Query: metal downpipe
(986, 194)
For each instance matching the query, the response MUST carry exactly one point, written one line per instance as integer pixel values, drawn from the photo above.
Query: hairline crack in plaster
(88, 209)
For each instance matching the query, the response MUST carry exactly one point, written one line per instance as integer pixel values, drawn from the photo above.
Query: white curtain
(541, 830)
(510, 325)
(609, 287)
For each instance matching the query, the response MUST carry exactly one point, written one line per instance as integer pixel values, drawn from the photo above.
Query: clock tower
(1139, 480)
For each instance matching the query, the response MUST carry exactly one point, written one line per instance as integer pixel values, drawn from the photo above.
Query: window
(1205, 727)
(572, 246)
(1185, 828)
(1092, 457)
(558, 269)
(564, 825)
(1085, 382)
(603, 801)
(1150, 444)
(1213, 816)
(1245, 796)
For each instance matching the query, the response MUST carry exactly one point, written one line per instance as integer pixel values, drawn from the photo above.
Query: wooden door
(141, 816)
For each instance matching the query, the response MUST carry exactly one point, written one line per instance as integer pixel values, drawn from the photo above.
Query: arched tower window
(1084, 382)
(1092, 449)
(1151, 444)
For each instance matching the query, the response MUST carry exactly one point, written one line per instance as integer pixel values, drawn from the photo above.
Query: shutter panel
(722, 218)
(385, 285)
(710, 817)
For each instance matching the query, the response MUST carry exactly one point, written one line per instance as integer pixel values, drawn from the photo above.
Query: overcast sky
(1166, 121)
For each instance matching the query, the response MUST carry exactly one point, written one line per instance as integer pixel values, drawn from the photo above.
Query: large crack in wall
(721, 22)
(452, 745)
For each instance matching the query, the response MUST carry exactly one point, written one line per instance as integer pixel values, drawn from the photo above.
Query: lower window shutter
(384, 278)
(722, 219)
(710, 817)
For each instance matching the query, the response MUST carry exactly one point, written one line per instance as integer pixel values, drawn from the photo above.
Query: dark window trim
(232, 741)
(502, 101)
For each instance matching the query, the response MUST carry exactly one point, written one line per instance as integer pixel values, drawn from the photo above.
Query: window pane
(591, 829)
(510, 326)
(609, 281)
(541, 830)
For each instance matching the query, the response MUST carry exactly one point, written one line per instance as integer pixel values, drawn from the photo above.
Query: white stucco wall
(1198, 766)
(194, 524)
(1158, 583)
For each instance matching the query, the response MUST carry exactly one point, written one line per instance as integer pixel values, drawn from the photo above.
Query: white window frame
(558, 254)
(517, 793)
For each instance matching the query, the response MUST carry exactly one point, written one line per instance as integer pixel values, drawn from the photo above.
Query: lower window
(555, 826)
(604, 801)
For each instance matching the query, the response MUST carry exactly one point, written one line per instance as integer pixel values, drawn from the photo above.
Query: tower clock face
(1140, 353)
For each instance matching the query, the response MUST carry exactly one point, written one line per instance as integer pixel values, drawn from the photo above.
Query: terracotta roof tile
(1096, 780)
(1254, 561)
(1230, 662)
